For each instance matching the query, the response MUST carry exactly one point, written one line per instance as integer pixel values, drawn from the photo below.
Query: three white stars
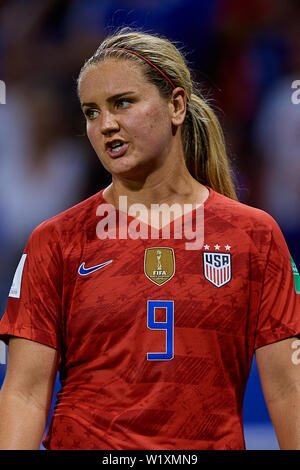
(217, 247)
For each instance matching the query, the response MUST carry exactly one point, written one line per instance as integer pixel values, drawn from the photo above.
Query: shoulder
(238, 214)
(249, 226)
(70, 224)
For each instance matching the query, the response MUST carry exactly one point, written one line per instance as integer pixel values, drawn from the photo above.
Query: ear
(177, 106)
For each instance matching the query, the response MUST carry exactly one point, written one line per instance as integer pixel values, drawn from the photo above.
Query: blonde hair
(202, 136)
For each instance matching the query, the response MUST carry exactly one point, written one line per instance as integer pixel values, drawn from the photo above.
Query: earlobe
(178, 106)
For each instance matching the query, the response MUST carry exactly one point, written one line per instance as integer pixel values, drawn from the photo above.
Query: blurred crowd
(244, 53)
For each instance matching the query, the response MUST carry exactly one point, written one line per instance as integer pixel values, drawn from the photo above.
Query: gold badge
(159, 264)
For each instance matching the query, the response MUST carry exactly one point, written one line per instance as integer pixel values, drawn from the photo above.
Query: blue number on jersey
(168, 325)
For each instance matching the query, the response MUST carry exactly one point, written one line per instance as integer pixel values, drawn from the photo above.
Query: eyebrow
(110, 98)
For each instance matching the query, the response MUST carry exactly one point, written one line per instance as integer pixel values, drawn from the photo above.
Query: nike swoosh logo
(85, 271)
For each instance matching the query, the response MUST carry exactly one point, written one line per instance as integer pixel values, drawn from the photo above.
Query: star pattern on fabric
(76, 444)
(69, 430)
(59, 444)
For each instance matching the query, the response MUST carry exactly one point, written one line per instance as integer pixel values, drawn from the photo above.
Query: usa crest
(217, 268)
(159, 264)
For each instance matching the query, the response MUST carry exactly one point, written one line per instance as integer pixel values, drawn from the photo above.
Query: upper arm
(279, 368)
(31, 371)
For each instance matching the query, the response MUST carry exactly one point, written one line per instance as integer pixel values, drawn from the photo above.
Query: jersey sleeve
(34, 304)
(279, 312)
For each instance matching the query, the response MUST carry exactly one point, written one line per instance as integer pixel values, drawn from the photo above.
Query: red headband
(139, 55)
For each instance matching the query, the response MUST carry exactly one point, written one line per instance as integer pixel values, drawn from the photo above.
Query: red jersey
(156, 341)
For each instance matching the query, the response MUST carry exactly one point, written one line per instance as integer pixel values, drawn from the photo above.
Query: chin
(130, 175)
(130, 171)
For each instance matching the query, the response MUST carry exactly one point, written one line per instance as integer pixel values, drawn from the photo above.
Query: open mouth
(116, 148)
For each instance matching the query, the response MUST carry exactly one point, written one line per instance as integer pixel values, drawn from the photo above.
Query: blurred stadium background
(244, 53)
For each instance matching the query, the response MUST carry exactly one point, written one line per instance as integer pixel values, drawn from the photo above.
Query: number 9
(168, 325)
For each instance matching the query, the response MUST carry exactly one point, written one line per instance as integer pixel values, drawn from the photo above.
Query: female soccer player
(153, 332)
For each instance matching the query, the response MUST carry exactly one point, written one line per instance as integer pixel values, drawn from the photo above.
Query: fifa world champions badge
(159, 264)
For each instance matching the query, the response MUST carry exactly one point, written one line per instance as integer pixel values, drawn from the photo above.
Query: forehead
(113, 76)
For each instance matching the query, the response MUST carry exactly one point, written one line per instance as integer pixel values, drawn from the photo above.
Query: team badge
(159, 264)
(217, 268)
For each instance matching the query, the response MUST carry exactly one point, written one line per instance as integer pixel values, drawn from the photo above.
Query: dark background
(245, 55)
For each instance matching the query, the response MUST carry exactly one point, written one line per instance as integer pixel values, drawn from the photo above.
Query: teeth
(116, 146)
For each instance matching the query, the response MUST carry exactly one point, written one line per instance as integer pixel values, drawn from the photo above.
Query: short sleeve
(34, 303)
(279, 312)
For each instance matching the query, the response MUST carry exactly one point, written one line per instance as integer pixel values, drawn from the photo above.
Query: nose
(109, 123)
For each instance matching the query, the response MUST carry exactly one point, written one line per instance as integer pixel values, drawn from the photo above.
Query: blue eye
(91, 114)
(123, 103)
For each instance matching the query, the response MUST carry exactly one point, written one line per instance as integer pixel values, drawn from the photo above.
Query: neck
(171, 184)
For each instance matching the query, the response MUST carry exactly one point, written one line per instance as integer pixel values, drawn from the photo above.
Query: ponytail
(204, 148)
